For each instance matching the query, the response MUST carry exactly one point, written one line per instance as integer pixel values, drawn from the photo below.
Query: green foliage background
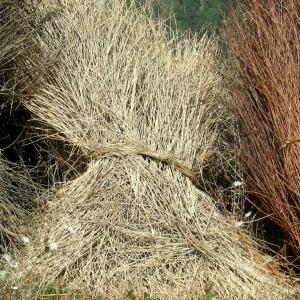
(194, 15)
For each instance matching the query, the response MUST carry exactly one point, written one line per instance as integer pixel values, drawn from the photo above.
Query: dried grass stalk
(120, 83)
(266, 47)
(16, 189)
(12, 38)
(17, 194)
(7, 32)
(127, 225)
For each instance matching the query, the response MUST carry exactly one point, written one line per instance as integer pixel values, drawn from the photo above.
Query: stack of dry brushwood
(140, 107)
(265, 43)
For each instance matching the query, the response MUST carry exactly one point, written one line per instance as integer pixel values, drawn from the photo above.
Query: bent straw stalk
(119, 80)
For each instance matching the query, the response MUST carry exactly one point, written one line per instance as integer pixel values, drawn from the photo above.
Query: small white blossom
(25, 240)
(268, 258)
(239, 224)
(70, 229)
(53, 247)
(6, 257)
(13, 264)
(152, 232)
(10, 261)
(14, 289)
(3, 275)
(237, 183)
(248, 214)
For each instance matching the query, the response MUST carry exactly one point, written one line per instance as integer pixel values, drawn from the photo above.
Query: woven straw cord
(122, 149)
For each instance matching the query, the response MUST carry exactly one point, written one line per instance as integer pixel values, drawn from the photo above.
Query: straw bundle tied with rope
(142, 106)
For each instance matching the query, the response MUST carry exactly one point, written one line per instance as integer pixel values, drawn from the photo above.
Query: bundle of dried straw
(142, 106)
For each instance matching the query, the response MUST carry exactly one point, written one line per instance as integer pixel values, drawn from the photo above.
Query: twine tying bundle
(122, 149)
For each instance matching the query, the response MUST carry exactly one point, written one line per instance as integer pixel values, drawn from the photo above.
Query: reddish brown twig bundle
(265, 43)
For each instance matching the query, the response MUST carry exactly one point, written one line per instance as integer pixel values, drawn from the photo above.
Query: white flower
(7, 257)
(3, 275)
(239, 224)
(268, 258)
(237, 183)
(152, 232)
(248, 214)
(9, 260)
(25, 240)
(70, 229)
(14, 289)
(53, 247)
